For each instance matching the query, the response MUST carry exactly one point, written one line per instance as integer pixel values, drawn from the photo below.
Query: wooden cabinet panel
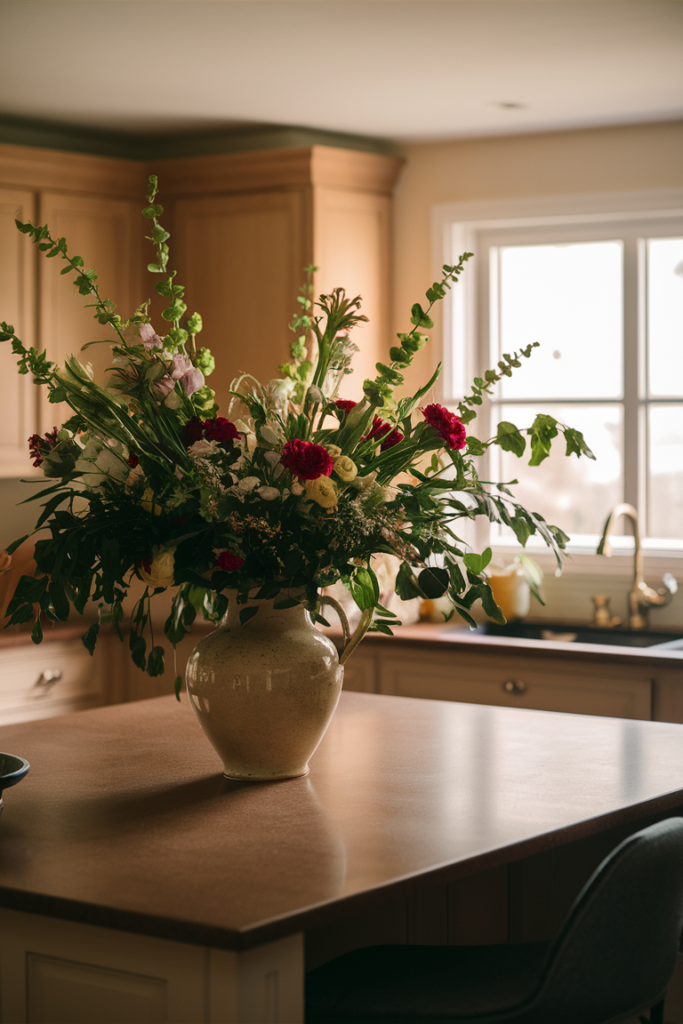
(241, 259)
(18, 411)
(106, 233)
(38, 682)
(544, 683)
(360, 672)
(352, 249)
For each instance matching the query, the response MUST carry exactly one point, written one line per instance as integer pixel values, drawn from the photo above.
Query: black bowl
(12, 770)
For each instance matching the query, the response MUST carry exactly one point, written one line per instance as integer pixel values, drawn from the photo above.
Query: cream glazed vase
(264, 692)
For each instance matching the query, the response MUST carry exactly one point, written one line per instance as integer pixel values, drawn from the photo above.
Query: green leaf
(576, 444)
(247, 613)
(177, 685)
(510, 439)
(155, 662)
(60, 601)
(477, 563)
(89, 638)
(434, 582)
(475, 446)
(407, 585)
(288, 602)
(37, 631)
(542, 432)
(11, 548)
(138, 646)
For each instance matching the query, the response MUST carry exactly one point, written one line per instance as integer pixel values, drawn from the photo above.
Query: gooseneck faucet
(641, 597)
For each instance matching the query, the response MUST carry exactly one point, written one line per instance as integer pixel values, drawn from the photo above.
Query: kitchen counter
(125, 827)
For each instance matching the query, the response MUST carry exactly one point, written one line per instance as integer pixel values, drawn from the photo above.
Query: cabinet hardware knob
(514, 686)
(47, 679)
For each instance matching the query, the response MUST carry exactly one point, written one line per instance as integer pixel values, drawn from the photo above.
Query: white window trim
(455, 228)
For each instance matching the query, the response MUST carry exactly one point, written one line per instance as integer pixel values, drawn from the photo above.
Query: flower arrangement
(295, 490)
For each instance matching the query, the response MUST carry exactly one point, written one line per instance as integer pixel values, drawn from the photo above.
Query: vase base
(275, 777)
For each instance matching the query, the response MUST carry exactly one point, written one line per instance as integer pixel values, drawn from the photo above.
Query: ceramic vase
(264, 692)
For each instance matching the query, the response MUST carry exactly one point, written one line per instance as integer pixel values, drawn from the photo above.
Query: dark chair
(612, 959)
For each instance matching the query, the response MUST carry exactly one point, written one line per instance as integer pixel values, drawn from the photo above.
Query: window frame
(475, 226)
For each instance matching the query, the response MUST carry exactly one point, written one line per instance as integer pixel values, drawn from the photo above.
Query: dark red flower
(192, 431)
(394, 438)
(178, 521)
(133, 461)
(229, 561)
(146, 565)
(345, 404)
(306, 460)
(40, 446)
(379, 429)
(220, 429)
(447, 424)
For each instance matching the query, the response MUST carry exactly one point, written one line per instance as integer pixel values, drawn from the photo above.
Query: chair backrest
(617, 949)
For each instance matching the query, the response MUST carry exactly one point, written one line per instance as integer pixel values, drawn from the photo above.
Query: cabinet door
(360, 672)
(546, 684)
(52, 679)
(352, 250)
(18, 409)
(241, 258)
(106, 233)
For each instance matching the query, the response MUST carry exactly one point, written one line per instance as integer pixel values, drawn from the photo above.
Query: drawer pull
(46, 680)
(514, 686)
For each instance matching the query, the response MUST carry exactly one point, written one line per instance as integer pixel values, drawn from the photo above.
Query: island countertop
(125, 820)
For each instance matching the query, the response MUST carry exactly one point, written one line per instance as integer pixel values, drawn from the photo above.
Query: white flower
(365, 483)
(281, 389)
(248, 483)
(268, 493)
(334, 450)
(135, 476)
(323, 491)
(203, 448)
(272, 458)
(100, 461)
(297, 488)
(345, 468)
(161, 569)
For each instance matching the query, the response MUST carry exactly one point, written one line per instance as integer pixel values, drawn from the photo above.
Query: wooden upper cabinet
(245, 226)
(106, 233)
(18, 409)
(241, 259)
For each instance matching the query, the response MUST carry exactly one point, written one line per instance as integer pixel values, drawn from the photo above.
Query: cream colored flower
(148, 502)
(161, 570)
(248, 483)
(334, 450)
(323, 491)
(365, 483)
(200, 449)
(345, 468)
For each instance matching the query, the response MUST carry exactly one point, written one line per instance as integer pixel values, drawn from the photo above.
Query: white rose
(161, 570)
(268, 493)
(323, 491)
(200, 449)
(345, 468)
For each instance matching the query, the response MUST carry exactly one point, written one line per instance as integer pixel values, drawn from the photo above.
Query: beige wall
(627, 158)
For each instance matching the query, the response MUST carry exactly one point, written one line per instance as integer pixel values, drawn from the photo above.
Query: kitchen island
(136, 884)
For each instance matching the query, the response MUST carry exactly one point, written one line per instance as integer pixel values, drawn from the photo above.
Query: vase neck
(267, 617)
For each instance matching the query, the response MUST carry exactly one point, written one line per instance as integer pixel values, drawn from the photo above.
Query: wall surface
(618, 159)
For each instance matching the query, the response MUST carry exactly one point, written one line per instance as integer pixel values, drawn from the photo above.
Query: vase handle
(350, 641)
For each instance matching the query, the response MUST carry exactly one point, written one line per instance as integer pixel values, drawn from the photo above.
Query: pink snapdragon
(149, 338)
(191, 379)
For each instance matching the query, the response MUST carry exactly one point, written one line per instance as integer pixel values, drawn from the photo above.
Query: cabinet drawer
(543, 684)
(36, 682)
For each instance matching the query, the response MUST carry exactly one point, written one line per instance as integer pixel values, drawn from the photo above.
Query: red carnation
(39, 446)
(379, 429)
(447, 424)
(345, 404)
(306, 460)
(229, 561)
(394, 438)
(133, 461)
(220, 429)
(192, 431)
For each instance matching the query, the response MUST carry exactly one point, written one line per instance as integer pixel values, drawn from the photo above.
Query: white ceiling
(395, 69)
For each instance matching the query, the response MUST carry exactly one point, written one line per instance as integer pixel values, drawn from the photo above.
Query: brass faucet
(641, 597)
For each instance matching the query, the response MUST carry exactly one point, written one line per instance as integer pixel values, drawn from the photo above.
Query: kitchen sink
(584, 634)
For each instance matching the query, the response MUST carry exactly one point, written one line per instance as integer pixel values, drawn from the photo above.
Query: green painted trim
(51, 135)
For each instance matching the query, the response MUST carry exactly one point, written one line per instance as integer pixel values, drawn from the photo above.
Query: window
(602, 290)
